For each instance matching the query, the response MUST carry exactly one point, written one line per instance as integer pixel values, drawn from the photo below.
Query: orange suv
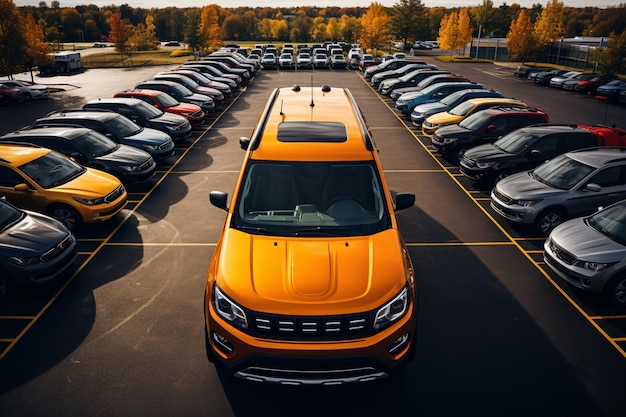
(310, 282)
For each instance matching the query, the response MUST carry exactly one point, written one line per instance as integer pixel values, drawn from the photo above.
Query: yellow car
(311, 282)
(464, 109)
(41, 180)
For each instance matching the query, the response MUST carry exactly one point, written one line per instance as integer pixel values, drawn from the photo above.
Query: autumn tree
(611, 58)
(521, 39)
(119, 35)
(142, 36)
(455, 31)
(374, 26)
(408, 21)
(37, 49)
(485, 15)
(350, 28)
(549, 25)
(12, 38)
(209, 29)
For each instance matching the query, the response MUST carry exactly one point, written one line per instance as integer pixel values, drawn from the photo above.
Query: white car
(31, 91)
(559, 80)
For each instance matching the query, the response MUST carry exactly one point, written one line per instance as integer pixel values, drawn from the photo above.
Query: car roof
(18, 155)
(66, 132)
(142, 92)
(497, 100)
(599, 156)
(119, 100)
(80, 114)
(330, 117)
(551, 128)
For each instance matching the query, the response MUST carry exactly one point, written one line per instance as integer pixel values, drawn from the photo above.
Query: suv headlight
(526, 203)
(228, 309)
(485, 165)
(23, 260)
(593, 266)
(392, 310)
(90, 201)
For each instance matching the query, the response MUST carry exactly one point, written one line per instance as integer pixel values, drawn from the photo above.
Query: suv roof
(512, 109)
(53, 131)
(597, 157)
(80, 114)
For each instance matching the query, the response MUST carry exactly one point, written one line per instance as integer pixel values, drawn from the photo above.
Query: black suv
(485, 126)
(144, 115)
(90, 148)
(522, 150)
(179, 92)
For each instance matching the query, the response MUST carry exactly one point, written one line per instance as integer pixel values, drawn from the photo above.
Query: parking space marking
(511, 240)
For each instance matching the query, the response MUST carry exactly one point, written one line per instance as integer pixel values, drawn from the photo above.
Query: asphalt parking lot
(122, 334)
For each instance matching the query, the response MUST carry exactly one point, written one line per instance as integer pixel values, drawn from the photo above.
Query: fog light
(398, 344)
(223, 344)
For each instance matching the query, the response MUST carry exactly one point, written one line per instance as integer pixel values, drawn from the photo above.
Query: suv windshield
(52, 170)
(147, 111)
(8, 215)
(561, 172)
(515, 142)
(312, 199)
(94, 144)
(123, 126)
(166, 100)
(462, 109)
(475, 121)
(611, 222)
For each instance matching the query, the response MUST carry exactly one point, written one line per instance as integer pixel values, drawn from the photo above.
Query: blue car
(611, 90)
(408, 101)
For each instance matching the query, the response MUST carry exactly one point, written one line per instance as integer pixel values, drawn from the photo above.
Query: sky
(148, 4)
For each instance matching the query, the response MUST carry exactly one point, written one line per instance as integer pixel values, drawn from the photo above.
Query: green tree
(374, 27)
(191, 34)
(13, 45)
(611, 58)
(142, 36)
(408, 21)
(521, 39)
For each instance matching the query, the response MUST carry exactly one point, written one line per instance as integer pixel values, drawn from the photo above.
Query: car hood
(198, 98)
(92, 183)
(430, 108)
(444, 118)
(584, 242)
(453, 130)
(34, 234)
(610, 88)
(127, 154)
(149, 135)
(486, 152)
(522, 186)
(170, 119)
(299, 274)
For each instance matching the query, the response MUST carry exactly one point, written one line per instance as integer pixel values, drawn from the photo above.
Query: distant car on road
(30, 90)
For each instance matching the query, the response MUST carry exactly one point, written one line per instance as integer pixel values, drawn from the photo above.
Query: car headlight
(149, 147)
(485, 165)
(228, 309)
(594, 266)
(393, 310)
(526, 203)
(446, 141)
(90, 201)
(23, 260)
(401, 102)
(129, 168)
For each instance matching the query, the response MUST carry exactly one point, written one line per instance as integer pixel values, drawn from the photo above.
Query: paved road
(123, 335)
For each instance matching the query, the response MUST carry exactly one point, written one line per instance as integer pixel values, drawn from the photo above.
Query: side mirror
(21, 187)
(593, 187)
(219, 199)
(244, 142)
(403, 200)
(535, 153)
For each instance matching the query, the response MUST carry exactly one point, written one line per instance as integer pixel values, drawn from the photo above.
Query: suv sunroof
(312, 132)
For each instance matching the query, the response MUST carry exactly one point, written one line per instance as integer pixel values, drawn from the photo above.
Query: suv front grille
(470, 163)
(561, 253)
(146, 165)
(503, 198)
(166, 144)
(310, 328)
(115, 194)
(58, 249)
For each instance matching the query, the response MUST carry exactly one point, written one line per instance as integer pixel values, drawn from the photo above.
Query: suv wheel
(548, 220)
(616, 290)
(66, 215)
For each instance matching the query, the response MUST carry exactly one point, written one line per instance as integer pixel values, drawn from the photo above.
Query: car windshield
(462, 109)
(475, 121)
(183, 91)
(123, 126)
(52, 169)
(8, 215)
(95, 144)
(166, 100)
(515, 142)
(562, 172)
(611, 222)
(452, 98)
(146, 110)
(312, 199)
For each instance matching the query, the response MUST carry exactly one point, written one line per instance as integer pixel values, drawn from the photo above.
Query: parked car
(45, 181)
(379, 77)
(569, 84)
(303, 60)
(10, 95)
(423, 111)
(610, 91)
(589, 86)
(392, 87)
(524, 71)
(338, 61)
(176, 126)
(225, 86)
(180, 93)
(285, 61)
(571, 185)
(543, 78)
(91, 149)
(30, 90)
(269, 61)
(463, 110)
(214, 73)
(167, 104)
(589, 253)
(426, 81)
(408, 101)
(222, 68)
(366, 61)
(320, 61)
(485, 126)
(391, 64)
(34, 248)
(558, 81)
(185, 81)
(115, 126)
(525, 149)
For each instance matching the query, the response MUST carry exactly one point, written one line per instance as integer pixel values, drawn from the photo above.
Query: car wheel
(28, 96)
(616, 290)
(548, 220)
(66, 215)
(6, 285)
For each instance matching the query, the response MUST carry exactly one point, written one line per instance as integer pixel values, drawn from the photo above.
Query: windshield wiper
(339, 231)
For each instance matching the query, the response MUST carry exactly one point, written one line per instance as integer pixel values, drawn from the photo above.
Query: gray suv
(571, 185)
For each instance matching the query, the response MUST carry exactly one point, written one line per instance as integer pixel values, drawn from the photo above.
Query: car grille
(503, 198)
(561, 253)
(115, 194)
(146, 165)
(469, 163)
(166, 144)
(58, 249)
(310, 328)
(197, 114)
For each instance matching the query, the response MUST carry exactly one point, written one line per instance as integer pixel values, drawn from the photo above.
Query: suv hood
(486, 152)
(151, 136)
(169, 119)
(430, 108)
(453, 131)
(127, 154)
(522, 186)
(587, 243)
(33, 234)
(302, 273)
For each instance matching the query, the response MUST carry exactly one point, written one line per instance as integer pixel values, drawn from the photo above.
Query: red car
(10, 95)
(367, 60)
(167, 103)
(590, 85)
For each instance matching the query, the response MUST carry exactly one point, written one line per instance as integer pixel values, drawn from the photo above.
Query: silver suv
(571, 185)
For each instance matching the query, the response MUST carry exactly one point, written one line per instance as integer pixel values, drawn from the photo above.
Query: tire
(548, 220)
(28, 96)
(616, 290)
(66, 215)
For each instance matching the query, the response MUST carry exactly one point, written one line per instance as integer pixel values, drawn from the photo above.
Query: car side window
(10, 178)
(547, 146)
(500, 123)
(609, 177)
(572, 142)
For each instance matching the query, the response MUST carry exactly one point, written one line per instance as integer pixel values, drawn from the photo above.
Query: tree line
(26, 32)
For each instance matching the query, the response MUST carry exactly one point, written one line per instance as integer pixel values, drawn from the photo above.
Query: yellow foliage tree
(374, 26)
(549, 25)
(209, 30)
(37, 49)
(455, 31)
(521, 39)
